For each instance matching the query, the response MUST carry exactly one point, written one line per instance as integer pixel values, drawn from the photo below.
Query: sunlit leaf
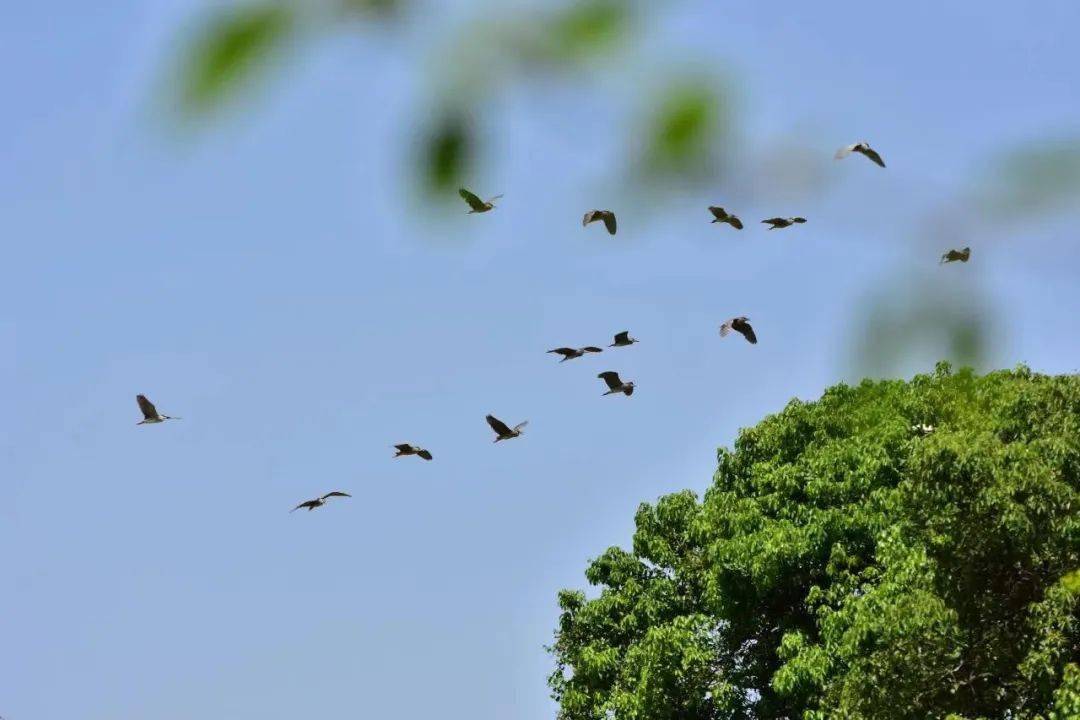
(229, 50)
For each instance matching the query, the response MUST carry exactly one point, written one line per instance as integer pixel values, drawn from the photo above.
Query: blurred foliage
(382, 8)
(683, 130)
(229, 50)
(1029, 180)
(916, 315)
(682, 125)
(845, 565)
(572, 34)
(447, 153)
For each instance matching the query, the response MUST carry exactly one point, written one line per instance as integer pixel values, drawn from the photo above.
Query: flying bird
(720, 215)
(863, 148)
(954, 255)
(571, 353)
(779, 222)
(623, 339)
(615, 383)
(150, 413)
(477, 205)
(606, 215)
(319, 501)
(740, 325)
(502, 430)
(406, 449)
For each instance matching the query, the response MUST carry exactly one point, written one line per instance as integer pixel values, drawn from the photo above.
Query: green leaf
(230, 50)
(446, 152)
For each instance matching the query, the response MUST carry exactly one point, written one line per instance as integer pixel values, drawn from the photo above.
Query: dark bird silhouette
(615, 383)
(319, 501)
(623, 339)
(571, 353)
(502, 430)
(606, 215)
(954, 255)
(406, 449)
(779, 222)
(740, 325)
(150, 413)
(863, 148)
(477, 205)
(720, 215)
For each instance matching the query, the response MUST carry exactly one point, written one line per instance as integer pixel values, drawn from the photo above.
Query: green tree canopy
(893, 550)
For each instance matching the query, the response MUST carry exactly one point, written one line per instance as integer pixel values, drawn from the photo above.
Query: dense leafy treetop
(847, 563)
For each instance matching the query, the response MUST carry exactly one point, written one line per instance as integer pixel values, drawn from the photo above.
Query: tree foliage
(847, 564)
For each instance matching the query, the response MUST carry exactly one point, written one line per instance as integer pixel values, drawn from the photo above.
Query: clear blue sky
(266, 282)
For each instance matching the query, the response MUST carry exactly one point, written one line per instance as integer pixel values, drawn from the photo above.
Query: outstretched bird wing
(612, 379)
(474, 202)
(424, 454)
(609, 221)
(404, 448)
(873, 155)
(734, 222)
(498, 425)
(148, 410)
(742, 326)
(336, 493)
(622, 337)
(725, 328)
(520, 425)
(718, 212)
(307, 503)
(564, 351)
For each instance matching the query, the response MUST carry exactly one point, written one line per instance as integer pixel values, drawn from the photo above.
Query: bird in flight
(406, 449)
(502, 430)
(720, 215)
(319, 501)
(150, 413)
(606, 215)
(954, 255)
(477, 205)
(779, 222)
(623, 339)
(615, 383)
(863, 148)
(571, 353)
(740, 325)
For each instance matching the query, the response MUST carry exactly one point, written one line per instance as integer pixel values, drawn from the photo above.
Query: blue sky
(267, 281)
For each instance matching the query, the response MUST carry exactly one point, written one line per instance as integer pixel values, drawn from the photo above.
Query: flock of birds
(615, 384)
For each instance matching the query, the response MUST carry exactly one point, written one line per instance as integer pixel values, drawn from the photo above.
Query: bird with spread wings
(504, 431)
(475, 203)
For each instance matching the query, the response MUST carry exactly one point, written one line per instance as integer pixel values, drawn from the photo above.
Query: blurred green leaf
(1034, 179)
(684, 130)
(229, 50)
(584, 29)
(914, 319)
(371, 7)
(447, 152)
